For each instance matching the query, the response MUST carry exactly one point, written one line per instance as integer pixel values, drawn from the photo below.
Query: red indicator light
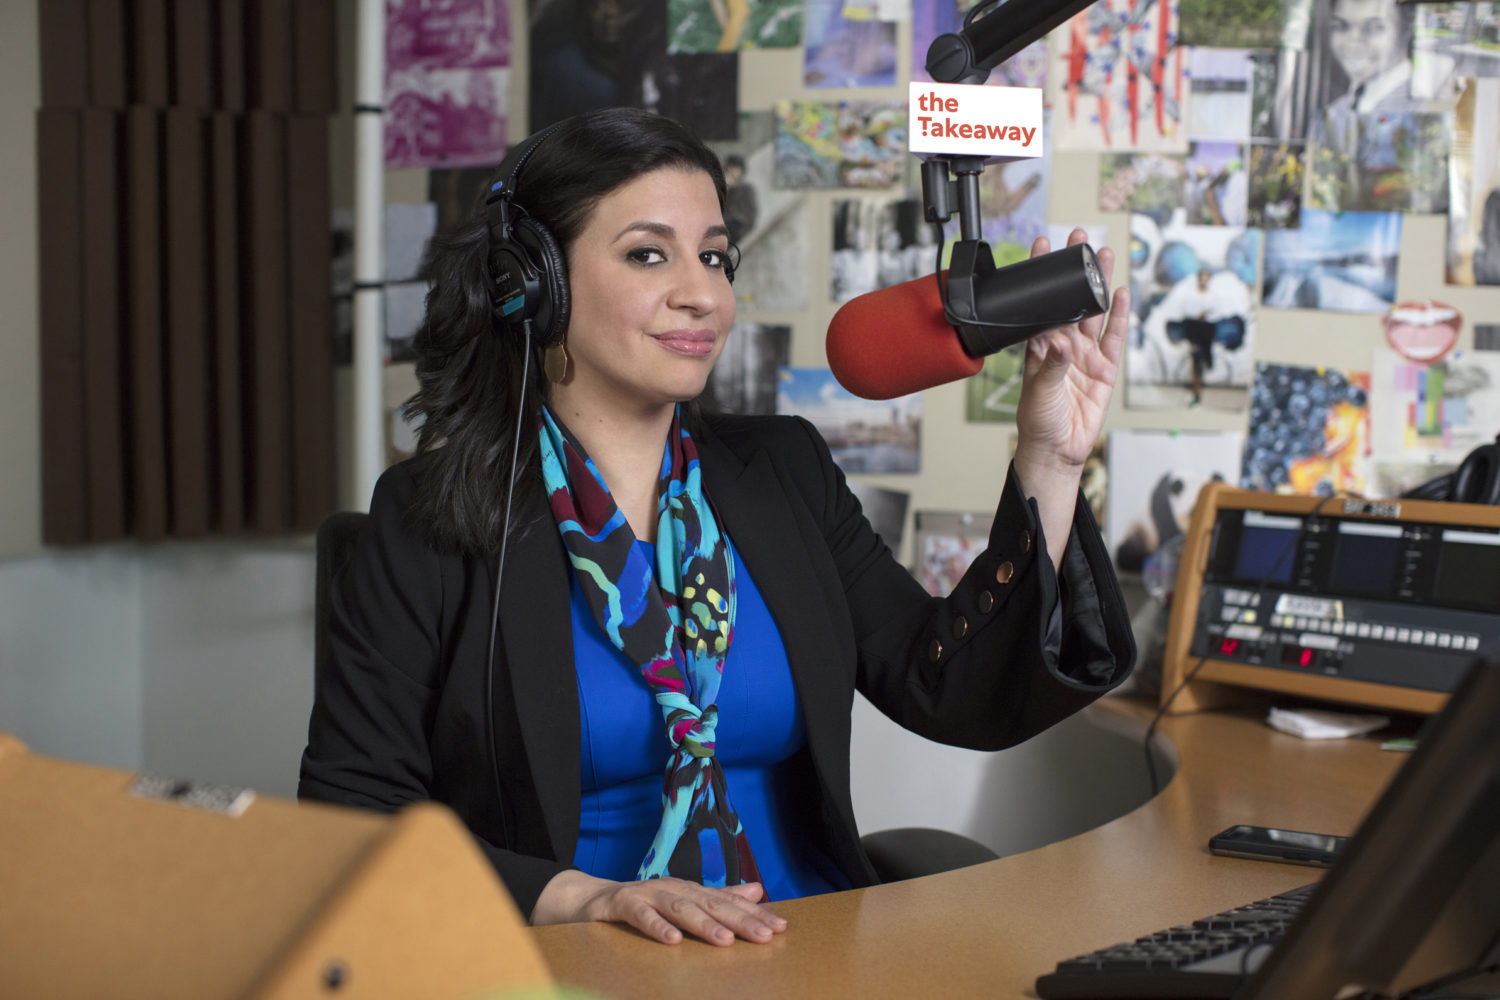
(1306, 658)
(1228, 646)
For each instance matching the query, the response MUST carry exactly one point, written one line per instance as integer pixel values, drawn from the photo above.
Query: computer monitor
(1414, 899)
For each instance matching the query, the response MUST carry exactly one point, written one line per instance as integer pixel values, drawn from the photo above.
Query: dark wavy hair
(469, 364)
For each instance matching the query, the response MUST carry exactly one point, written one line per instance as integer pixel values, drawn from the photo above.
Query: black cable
(489, 676)
(1270, 574)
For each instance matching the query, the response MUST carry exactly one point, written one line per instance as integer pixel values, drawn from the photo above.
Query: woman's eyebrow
(665, 231)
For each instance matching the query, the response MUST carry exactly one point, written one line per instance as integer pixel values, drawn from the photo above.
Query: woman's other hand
(662, 908)
(1067, 380)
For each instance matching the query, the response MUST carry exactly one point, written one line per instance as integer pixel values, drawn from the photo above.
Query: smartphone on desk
(1265, 843)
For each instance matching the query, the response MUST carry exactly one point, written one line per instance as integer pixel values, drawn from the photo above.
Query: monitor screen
(1411, 900)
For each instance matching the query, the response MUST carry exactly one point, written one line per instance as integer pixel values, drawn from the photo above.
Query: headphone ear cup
(550, 318)
(1478, 477)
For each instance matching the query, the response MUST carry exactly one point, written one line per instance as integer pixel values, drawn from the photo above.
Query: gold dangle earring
(555, 362)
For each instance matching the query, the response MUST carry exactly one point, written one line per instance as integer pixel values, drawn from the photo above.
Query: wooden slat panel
(229, 422)
(63, 27)
(60, 260)
(143, 237)
(103, 324)
(309, 209)
(188, 329)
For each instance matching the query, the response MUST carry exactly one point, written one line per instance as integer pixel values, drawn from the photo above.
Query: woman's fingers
(665, 909)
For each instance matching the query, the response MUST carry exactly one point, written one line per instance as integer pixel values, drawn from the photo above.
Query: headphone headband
(528, 274)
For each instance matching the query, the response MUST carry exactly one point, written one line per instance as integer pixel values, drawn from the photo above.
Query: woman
(676, 588)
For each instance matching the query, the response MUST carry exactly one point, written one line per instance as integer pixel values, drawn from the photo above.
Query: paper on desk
(1312, 724)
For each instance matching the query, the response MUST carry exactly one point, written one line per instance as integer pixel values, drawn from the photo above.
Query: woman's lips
(1422, 331)
(690, 343)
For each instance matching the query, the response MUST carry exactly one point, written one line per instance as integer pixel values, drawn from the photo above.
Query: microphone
(894, 341)
(992, 33)
(905, 338)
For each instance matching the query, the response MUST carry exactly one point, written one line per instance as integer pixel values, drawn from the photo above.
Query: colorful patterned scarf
(675, 621)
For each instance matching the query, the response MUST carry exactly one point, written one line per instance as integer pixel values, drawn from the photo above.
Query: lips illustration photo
(1422, 331)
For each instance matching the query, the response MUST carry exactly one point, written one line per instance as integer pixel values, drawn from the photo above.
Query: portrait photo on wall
(863, 435)
(744, 379)
(847, 144)
(1343, 261)
(1192, 323)
(1154, 479)
(766, 222)
(1474, 198)
(1309, 431)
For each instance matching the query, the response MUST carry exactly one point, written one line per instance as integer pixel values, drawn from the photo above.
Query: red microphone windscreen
(895, 341)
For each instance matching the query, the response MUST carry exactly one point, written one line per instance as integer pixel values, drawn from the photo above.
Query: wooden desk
(990, 930)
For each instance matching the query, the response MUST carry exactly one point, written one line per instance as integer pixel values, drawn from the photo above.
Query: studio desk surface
(992, 929)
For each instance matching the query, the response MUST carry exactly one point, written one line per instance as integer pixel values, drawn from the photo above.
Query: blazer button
(935, 651)
(960, 626)
(986, 601)
(1025, 541)
(1005, 572)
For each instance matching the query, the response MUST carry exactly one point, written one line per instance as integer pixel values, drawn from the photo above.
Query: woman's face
(1363, 37)
(651, 301)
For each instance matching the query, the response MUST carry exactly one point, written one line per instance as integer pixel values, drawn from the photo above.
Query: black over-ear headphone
(1476, 480)
(528, 272)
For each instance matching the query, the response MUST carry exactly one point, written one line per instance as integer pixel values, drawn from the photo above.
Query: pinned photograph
(1383, 161)
(1216, 184)
(1428, 417)
(1276, 172)
(1474, 198)
(878, 242)
(732, 25)
(744, 379)
(1361, 59)
(946, 543)
(447, 83)
(1154, 479)
(1117, 80)
(1454, 42)
(1153, 183)
(766, 222)
(992, 395)
(849, 144)
(1013, 206)
(1309, 431)
(1192, 330)
(863, 435)
(1279, 84)
(1245, 24)
(1345, 262)
(1218, 104)
(841, 50)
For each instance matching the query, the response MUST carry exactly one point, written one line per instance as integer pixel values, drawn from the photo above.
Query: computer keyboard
(1208, 958)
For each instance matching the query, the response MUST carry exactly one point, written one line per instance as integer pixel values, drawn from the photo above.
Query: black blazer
(398, 716)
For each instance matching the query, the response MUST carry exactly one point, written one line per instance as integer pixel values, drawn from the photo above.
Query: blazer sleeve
(1015, 648)
(376, 698)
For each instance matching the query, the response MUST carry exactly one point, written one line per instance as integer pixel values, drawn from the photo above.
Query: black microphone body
(987, 41)
(992, 308)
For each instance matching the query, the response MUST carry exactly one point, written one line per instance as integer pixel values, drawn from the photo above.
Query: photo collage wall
(1265, 154)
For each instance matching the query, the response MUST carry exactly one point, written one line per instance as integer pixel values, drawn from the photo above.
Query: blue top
(761, 745)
